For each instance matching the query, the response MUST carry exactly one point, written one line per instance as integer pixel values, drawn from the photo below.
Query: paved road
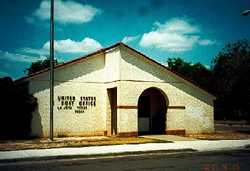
(207, 161)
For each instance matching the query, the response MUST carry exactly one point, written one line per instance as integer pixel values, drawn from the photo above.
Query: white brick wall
(131, 74)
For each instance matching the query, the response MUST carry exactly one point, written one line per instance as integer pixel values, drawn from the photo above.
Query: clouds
(128, 39)
(64, 50)
(66, 46)
(62, 47)
(13, 64)
(17, 57)
(65, 12)
(175, 35)
(70, 46)
(4, 74)
(32, 51)
(206, 42)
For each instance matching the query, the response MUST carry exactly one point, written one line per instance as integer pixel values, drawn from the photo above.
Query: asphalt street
(237, 160)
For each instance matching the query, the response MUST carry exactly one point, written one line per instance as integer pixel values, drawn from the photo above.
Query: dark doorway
(152, 109)
(112, 94)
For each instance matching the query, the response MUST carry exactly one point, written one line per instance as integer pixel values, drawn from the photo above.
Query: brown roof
(69, 62)
(175, 73)
(103, 51)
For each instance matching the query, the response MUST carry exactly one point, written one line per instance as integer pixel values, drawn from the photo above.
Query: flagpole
(51, 134)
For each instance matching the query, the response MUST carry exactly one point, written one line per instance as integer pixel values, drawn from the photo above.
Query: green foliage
(195, 72)
(17, 107)
(231, 71)
(39, 65)
(229, 79)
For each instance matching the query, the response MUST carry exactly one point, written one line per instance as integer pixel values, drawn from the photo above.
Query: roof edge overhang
(191, 82)
(100, 51)
(104, 50)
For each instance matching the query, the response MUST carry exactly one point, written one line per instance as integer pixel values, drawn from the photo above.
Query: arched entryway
(152, 109)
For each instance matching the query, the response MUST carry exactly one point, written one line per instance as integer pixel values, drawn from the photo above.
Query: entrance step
(181, 132)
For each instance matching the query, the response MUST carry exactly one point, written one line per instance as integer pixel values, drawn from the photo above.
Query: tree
(231, 71)
(195, 72)
(17, 107)
(39, 65)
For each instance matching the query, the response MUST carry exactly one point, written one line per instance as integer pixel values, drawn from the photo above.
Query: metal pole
(51, 68)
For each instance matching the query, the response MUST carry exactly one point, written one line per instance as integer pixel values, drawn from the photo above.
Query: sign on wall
(79, 105)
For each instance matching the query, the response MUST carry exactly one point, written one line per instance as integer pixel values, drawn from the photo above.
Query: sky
(193, 30)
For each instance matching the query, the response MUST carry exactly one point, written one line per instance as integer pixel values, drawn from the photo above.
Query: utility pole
(51, 132)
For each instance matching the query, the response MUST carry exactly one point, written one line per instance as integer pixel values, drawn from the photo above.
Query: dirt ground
(220, 136)
(224, 130)
(71, 142)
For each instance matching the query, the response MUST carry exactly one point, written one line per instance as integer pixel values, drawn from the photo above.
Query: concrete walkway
(201, 145)
(169, 137)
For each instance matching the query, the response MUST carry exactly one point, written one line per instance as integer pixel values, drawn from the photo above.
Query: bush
(17, 107)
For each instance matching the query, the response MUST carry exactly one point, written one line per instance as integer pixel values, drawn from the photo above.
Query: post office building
(122, 92)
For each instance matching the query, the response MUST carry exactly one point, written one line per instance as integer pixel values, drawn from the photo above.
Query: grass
(61, 142)
(221, 136)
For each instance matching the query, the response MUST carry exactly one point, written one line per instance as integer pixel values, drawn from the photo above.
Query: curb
(45, 158)
(129, 150)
